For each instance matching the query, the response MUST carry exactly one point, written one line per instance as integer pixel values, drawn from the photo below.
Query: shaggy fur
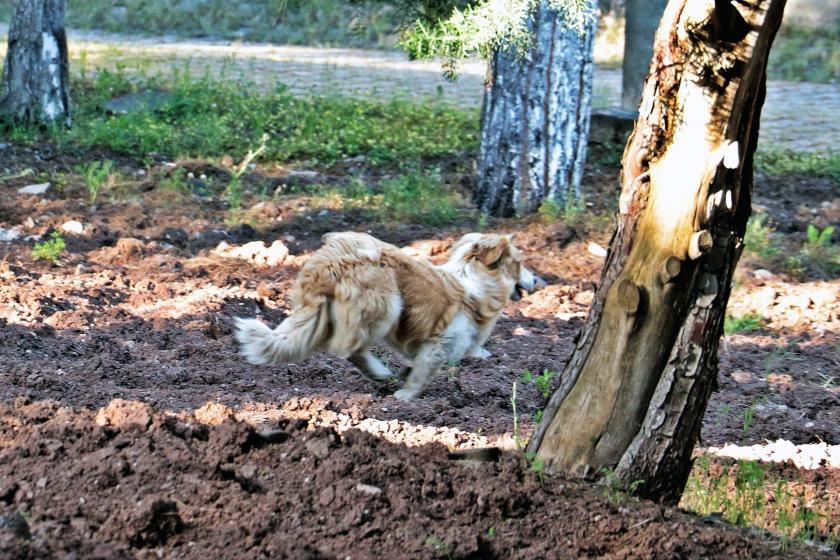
(357, 290)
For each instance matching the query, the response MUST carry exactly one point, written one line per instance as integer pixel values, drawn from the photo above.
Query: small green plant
(750, 322)
(49, 250)
(748, 417)
(616, 491)
(440, 546)
(491, 532)
(759, 239)
(96, 174)
(550, 211)
(535, 465)
(418, 197)
(820, 251)
(234, 188)
(542, 381)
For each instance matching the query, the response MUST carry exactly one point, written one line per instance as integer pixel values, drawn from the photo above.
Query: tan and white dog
(357, 290)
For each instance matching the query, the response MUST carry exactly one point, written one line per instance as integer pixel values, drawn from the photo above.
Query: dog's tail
(294, 340)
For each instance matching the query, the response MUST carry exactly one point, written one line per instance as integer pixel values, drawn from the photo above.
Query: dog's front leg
(370, 366)
(477, 350)
(431, 356)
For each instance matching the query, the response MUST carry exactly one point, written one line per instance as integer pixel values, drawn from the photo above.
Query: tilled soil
(139, 308)
(130, 482)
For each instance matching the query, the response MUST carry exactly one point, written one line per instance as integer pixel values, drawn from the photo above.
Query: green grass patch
(310, 22)
(805, 54)
(777, 161)
(747, 494)
(415, 197)
(743, 324)
(50, 249)
(209, 118)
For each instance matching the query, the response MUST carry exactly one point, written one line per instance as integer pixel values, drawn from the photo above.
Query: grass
(803, 54)
(743, 324)
(818, 254)
(746, 494)
(413, 197)
(321, 22)
(208, 118)
(778, 161)
(49, 250)
(96, 174)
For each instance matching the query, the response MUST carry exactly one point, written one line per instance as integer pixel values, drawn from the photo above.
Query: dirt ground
(139, 309)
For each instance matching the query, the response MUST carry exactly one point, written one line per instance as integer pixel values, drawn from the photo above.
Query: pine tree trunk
(35, 74)
(640, 21)
(535, 119)
(633, 394)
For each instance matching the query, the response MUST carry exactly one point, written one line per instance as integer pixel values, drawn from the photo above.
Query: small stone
(29, 223)
(74, 227)
(39, 188)
(597, 250)
(763, 274)
(368, 489)
(9, 234)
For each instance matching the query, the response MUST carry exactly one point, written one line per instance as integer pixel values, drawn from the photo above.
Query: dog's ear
(489, 250)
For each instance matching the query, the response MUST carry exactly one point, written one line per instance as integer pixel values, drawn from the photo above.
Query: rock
(9, 234)
(122, 413)
(73, 226)
(38, 188)
(559, 234)
(302, 174)
(597, 250)
(368, 489)
(256, 252)
(146, 100)
(29, 223)
(16, 523)
(611, 125)
(763, 274)
(3, 146)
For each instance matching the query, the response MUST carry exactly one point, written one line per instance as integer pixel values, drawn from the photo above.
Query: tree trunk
(633, 394)
(641, 18)
(535, 119)
(35, 75)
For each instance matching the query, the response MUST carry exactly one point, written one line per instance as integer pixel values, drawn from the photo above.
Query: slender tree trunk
(633, 394)
(640, 21)
(35, 74)
(535, 119)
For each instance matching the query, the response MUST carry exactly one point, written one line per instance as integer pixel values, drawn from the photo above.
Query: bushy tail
(295, 339)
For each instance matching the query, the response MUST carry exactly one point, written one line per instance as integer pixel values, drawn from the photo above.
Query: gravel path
(797, 115)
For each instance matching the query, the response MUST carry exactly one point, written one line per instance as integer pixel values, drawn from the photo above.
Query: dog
(357, 290)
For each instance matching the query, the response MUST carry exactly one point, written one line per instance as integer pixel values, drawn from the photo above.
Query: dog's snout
(528, 281)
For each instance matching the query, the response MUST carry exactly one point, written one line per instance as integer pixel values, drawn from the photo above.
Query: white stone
(597, 250)
(73, 226)
(38, 188)
(9, 234)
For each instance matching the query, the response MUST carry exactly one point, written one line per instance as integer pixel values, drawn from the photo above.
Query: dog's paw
(480, 353)
(406, 395)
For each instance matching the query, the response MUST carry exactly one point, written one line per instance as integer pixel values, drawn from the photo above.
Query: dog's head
(494, 256)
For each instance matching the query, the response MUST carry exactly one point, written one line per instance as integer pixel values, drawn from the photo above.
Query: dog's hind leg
(431, 356)
(370, 366)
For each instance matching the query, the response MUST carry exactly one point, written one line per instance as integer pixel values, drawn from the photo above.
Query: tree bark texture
(640, 22)
(535, 119)
(35, 81)
(633, 394)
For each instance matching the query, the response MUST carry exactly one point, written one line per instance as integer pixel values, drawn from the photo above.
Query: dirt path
(798, 116)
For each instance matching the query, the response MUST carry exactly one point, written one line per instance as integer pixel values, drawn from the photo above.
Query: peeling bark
(633, 394)
(35, 81)
(535, 119)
